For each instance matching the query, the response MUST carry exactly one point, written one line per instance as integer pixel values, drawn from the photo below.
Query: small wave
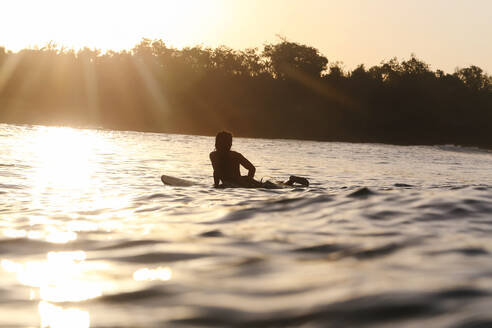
(381, 234)
(91, 212)
(148, 209)
(403, 185)
(368, 310)
(460, 293)
(11, 186)
(156, 257)
(25, 246)
(138, 295)
(361, 193)
(338, 251)
(279, 205)
(372, 310)
(468, 251)
(20, 166)
(212, 233)
(474, 323)
(379, 251)
(131, 243)
(325, 248)
(384, 215)
(463, 149)
(153, 196)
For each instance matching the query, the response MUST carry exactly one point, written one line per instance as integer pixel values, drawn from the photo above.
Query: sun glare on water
(65, 157)
(63, 277)
(67, 176)
(67, 170)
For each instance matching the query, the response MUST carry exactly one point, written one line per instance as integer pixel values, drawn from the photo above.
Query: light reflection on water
(144, 274)
(67, 277)
(65, 158)
(63, 277)
(58, 317)
(67, 167)
(86, 220)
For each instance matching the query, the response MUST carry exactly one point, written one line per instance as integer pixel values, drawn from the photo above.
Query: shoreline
(476, 146)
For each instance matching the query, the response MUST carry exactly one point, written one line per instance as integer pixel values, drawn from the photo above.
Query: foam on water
(384, 236)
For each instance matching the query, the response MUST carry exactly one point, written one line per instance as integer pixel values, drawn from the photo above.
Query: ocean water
(385, 236)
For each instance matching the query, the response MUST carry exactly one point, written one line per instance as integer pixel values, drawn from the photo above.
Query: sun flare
(111, 24)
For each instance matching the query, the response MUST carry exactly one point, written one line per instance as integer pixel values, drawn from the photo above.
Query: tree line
(285, 90)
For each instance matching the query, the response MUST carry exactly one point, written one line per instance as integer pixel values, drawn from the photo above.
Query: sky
(444, 33)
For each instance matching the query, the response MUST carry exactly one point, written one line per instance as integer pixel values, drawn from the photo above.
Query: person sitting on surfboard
(226, 163)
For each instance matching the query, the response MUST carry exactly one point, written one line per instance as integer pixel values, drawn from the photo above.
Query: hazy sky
(444, 33)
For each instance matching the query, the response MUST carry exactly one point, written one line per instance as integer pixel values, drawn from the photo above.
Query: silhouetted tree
(474, 78)
(290, 59)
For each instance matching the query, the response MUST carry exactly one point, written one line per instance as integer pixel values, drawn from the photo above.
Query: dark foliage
(285, 91)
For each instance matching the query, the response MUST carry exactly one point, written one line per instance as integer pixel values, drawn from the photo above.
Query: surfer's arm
(216, 173)
(216, 179)
(248, 166)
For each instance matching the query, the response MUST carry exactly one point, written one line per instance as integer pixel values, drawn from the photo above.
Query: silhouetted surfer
(226, 164)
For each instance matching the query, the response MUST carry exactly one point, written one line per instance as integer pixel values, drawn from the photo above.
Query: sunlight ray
(91, 86)
(8, 68)
(151, 84)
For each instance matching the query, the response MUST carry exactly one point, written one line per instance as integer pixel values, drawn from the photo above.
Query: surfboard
(176, 182)
(269, 184)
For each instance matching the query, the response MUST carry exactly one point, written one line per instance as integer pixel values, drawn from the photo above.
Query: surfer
(226, 163)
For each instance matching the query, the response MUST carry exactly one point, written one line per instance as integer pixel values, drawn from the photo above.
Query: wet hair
(223, 141)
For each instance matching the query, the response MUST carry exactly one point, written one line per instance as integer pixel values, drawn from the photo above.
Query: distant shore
(483, 147)
(286, 90)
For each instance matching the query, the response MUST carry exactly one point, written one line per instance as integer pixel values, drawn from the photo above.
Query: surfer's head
(223, 141)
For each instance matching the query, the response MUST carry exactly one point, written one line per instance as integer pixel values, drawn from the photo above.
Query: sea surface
(385, 236)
